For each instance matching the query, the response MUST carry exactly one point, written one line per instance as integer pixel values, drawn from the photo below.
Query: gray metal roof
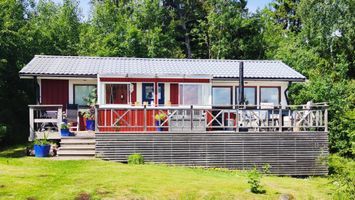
(77, 66)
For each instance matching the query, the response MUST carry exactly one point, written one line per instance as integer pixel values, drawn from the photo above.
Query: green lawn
(33, 178)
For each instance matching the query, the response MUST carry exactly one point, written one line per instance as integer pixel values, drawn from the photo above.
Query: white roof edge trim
(200, 76)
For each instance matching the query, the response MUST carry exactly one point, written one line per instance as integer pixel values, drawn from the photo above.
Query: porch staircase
(77, 147)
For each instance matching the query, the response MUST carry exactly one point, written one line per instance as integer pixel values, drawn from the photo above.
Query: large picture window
(117, 93)
(222, 96)
(81, 92)
(194, 94)
(270, 95)
(249, 95)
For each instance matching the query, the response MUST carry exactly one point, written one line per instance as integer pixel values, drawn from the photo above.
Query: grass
(35, 178)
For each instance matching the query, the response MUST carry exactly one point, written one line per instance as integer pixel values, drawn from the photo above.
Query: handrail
(42, 115)
(296, 118)
(44, 106)
(173, 106)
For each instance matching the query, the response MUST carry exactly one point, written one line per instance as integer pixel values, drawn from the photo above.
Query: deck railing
(44, 118)
(292, 118)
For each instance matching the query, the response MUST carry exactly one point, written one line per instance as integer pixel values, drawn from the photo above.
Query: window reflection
(270, 95)
(249, 95)
(222, 96)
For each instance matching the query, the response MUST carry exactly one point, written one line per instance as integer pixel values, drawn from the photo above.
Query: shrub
(254, 179)
(136, 159)
(266, 169)
(343, 175)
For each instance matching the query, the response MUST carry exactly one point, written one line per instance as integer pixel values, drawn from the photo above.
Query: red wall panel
(174, 94)
(134, 93)
(55, 92)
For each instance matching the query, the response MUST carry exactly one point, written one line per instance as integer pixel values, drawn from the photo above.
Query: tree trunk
(187, 41)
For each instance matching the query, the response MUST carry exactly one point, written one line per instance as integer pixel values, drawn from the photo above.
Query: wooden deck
(288, 153)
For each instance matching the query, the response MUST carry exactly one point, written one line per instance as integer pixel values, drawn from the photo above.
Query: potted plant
(90, 119)
(42, 147)
(159, 118)
(64, 129)
(90, 115)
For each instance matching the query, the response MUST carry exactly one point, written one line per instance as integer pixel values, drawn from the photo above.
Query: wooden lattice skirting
(288, 153)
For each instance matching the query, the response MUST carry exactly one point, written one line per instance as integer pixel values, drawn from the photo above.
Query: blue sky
(253, 5)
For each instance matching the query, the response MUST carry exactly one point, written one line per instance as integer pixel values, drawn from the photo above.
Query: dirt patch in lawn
(83, 196)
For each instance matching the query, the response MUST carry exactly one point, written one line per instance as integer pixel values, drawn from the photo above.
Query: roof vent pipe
(241, 83)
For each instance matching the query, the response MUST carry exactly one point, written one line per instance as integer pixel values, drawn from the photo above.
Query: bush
(343, 175)
(136, 159)
(254, 179)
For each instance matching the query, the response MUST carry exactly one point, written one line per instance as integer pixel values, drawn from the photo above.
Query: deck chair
(73, 116)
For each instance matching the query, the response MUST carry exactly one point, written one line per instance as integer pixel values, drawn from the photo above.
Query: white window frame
(153, 104)
(80, 84)
(102, 94)
(209, 95)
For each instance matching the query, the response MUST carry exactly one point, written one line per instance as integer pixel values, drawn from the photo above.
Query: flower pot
(64, 132)
(157, 124)
(42, 150)
(90, 125)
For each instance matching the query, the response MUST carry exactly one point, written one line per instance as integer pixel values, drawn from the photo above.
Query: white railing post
(280, 119)
(59, 116)
(96, 119)
(145, 117)
(191, 118)
(237, 120)
(32, 128)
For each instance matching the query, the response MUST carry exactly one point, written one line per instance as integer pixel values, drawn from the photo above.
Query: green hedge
(136, 159)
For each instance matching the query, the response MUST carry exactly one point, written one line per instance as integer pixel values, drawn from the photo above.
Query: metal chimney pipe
(241, 83)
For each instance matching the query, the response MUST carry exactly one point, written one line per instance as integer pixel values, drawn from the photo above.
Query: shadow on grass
(13, 152)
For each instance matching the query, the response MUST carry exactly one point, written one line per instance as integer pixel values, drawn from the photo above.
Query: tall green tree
(54, 28)
(28, 28)
(285, 13)
(129, 28)
(229, 31)
(12, 49)
(322, 50)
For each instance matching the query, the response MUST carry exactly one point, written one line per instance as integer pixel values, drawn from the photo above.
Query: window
(194, 94)
(270, 95)
(116, 93)
(249, 95)
(222, 96)
(81, 92)
(148, 93)
(161, 97)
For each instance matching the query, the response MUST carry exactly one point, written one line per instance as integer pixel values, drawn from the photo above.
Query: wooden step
(63, 152)
(77, 147)
(78, 137)
(78, 141)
